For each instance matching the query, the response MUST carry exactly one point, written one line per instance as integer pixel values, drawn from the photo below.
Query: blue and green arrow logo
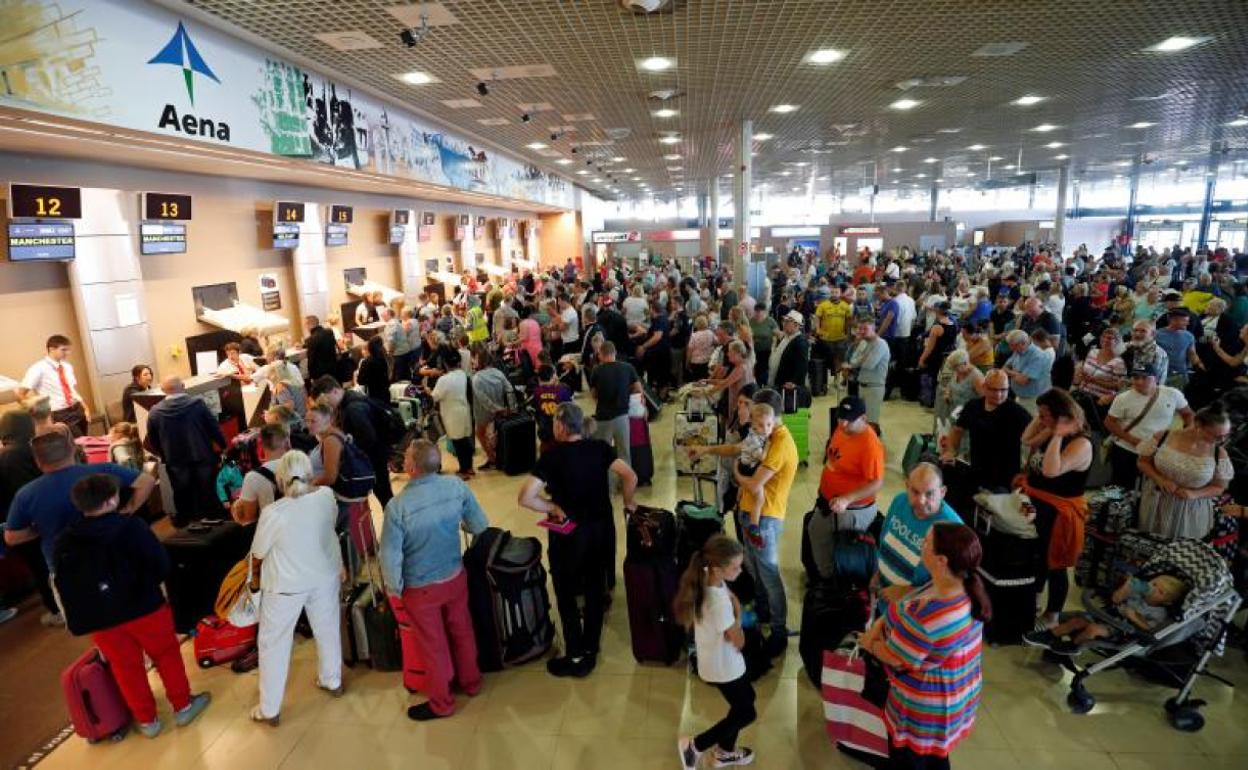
(181, 52)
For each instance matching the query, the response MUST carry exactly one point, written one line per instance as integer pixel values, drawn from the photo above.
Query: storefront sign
(673, 235)
(606, 236)
(860, 230)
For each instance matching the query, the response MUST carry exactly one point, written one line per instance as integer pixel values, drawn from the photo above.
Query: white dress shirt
(42, 380)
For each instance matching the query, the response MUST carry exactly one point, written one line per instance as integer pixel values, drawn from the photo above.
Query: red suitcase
(94, 447)
(217, 642)
(94, 700)
(415, 673)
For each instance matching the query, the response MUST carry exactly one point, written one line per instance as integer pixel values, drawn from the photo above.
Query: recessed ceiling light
(931, 160)
(938, 179)
(656, 64)
(905, 104)
(672, 156)
(629, 170)
(920, 176)
(823, 178)
(636, 179)
(797, 189)
(1177, 43)
(762, 137)
(1045, 128)
(1054, 145)
(784, 173)
(1123, 163)
(670, 140)
(1028, 100)
(996, 158)
(1141, 124)
(783, 108)
(535, 146)
(563, 161)
(825, 56)
(1180, 163)
(977, 147)
(1010, 167)
(948, 130)
(582, 172)
(900, 148)
(1237, 122)
(666, 112)
(675, 168)
(416, 78)
(1061, 157)
(618, 159)
(897, 170)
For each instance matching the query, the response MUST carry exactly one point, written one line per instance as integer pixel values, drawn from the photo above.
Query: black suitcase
(818, 377)
(650, 585)
(1009, 568)
(829, 615)
(517, 443)
(650, 534)
(507, 599)
(201, 555)
(693, 526)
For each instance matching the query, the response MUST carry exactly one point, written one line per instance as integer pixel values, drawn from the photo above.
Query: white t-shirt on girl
(718, 660)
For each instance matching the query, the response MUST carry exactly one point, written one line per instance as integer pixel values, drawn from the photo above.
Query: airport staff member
(53, 377)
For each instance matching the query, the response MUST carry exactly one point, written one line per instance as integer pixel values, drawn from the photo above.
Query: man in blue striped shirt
(911, 514)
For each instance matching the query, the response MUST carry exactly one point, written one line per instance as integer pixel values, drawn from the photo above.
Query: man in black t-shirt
(612, 382)
(996, 424)
(576, 476)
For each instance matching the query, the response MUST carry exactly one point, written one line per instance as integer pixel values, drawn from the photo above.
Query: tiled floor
(629, 715)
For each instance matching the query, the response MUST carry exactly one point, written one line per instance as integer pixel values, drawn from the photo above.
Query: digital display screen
(335, 234)
(37, 201)
(355, 276)
(396, 235)
(400, 216)
(52, 241)
(431, 265)
(162, 238)
(166, 206)
(285, 235)
(342, 215)
(286, 211)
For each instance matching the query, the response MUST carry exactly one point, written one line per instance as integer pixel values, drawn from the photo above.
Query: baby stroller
(1181, 648)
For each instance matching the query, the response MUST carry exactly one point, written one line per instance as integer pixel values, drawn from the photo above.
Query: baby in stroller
(1147, 605)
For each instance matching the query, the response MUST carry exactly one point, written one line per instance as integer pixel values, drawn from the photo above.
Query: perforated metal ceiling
(737, 58)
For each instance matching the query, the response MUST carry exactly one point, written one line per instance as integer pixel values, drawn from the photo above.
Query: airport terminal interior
(853, 233)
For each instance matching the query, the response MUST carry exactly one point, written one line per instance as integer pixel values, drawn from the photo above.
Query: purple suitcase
(650, 587)
(94, 700)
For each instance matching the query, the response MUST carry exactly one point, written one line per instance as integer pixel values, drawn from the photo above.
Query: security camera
(525, 118)
(409, 38)
(554, 137)
(574, 150)
(483, 89)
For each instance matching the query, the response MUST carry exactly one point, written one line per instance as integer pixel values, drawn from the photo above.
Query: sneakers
(423, 712)
(7, 614)
(742, 756)
(199, 702)
(1048, 641)
(52, 619)
(689, 756)
(579, 667)
(149, 729)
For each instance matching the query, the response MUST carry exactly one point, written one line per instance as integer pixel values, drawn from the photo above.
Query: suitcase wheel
(206, 662)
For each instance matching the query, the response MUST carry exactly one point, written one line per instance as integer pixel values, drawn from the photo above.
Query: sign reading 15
(286, 211)
(42, 201)
(341, 215)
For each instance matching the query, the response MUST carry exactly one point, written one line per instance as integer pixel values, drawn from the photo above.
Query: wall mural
(118, 62)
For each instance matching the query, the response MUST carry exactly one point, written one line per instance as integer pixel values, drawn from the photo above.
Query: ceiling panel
(737, 58)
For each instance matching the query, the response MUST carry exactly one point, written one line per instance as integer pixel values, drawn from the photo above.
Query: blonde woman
(302, 572)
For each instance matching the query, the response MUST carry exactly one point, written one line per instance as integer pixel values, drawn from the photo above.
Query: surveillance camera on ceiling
(525, 118)
(483, 89)
(643, 6)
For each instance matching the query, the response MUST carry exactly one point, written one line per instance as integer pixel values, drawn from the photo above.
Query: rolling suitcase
(217, 641)
(507, 599)
(694, 427)
(1009, 568)
(696, 521)
(354, 646)
(798, 424)
(641, 453)
(95, 448)
(650, 580)
(201, 555)
(516, 433)
(96, 707)
(922, 447)
(829, 614)
(818, 377)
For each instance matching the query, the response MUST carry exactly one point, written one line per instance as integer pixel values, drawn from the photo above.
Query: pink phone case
(566, 528)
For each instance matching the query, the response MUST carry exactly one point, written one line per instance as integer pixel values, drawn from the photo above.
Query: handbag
(855, 723)
(874, 681)
(238, 602)
(1109, 440)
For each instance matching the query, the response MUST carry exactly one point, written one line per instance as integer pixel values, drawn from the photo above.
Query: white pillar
(311, 265)
(741, 198)
(1059, 217)
(411, 271)
(715, 218)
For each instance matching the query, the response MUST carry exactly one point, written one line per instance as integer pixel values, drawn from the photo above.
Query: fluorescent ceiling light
(995, 158)
(675, 168)
(656, 64)
(825, 56)
(900, 148)
(564, 162)
(1045, 128)
(670, 140)
(1123, 163)
(931, 160)
(905, 104)
(897, 171)
(666, 112)
(1010, 167)
(672, 156)
(416, 78)
(629, 170)
(636, 179)
(920, 176)
(1061, 157)
(582, 172)
(762, 137)
(1028, 100)
(783, 108)
(948, 130)
(1237, 122)
(618, 159)
(1054, 145)
(977, 147)
(1180, 163)
(1177, 43)
(535, 146)
(1141, 124)
(823, 178)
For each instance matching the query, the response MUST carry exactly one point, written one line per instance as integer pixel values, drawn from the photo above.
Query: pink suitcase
(95, 704)
(94, 447)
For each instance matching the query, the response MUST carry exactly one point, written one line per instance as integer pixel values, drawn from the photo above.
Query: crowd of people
(1044, 373)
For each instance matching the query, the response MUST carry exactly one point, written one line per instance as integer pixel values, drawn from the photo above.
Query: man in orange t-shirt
(853, 468)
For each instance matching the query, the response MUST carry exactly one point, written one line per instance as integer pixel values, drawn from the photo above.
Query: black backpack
(389, 423)
(90, 579)
(507, 599)
(355, 472)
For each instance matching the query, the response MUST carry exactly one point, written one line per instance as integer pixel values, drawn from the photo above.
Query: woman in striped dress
(930, 643)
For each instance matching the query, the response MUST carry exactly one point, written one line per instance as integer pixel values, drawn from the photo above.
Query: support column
(311, 264)
(411, 268)
(741, 199)
(1206, 211)
(934, 195)
(714, 252)
(1131, 200)
(1059, 217)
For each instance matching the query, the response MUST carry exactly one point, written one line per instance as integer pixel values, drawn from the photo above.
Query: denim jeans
(764, 566)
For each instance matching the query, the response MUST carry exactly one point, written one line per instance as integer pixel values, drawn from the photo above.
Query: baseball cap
(795, 316)
(850, 408)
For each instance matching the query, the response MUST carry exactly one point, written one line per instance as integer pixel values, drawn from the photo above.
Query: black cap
(850, 409)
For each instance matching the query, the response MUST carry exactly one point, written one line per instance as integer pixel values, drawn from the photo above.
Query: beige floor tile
(518, 749)
(607, 705)
(529, 701)
(1164, 761)
(596, 752)
(1056, 759)
(967, 757)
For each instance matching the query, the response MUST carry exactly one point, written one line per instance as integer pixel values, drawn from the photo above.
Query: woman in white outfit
(302, 570)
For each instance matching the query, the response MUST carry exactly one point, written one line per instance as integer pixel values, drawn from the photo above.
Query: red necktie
(66, 391)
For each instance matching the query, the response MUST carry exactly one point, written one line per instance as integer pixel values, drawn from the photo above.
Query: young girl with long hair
(704, 603)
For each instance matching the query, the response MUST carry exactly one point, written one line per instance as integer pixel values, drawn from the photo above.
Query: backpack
(507, 599)
(355, 472)
(389, 422)
(89, 577)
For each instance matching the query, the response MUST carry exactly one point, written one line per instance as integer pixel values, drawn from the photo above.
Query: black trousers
(740, 696)
(464, 448)
(1123, 471)
(578, 568)
(906, 759)
(194, 492)
(74, 417)
(1058, 580)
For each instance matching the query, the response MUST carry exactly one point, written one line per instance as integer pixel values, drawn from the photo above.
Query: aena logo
(181, 52)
